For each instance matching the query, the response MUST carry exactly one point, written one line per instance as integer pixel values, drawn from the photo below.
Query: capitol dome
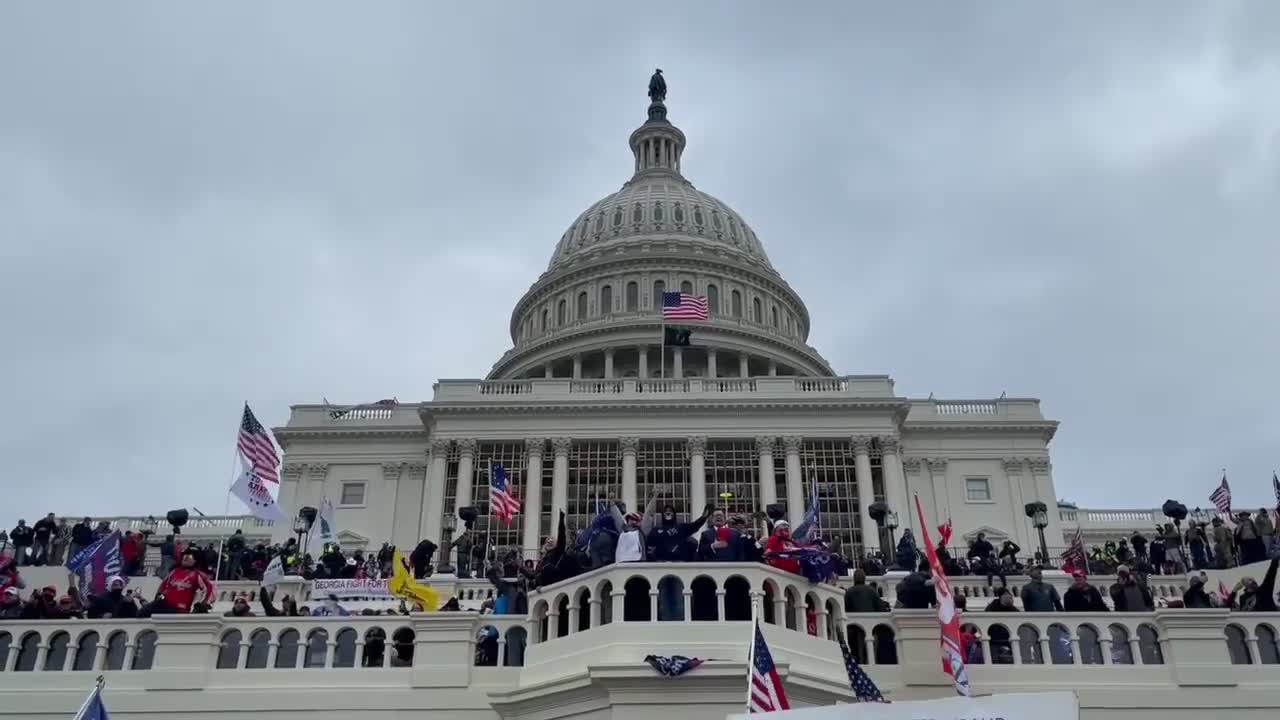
(595, 312)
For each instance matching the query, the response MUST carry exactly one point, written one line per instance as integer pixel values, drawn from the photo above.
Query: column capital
(697, 444)
(1039, 464)
(792, 444)
(912, 464)
(467, 446)
(417, 471)
(890, 444)
(561, 445)
(535, 446)
(317, 472)
(765, 443)
(937, 466)
(1013, 465)
(860, 444)
(294, 471)
(391, 471)
(629, 445)
(440, 447)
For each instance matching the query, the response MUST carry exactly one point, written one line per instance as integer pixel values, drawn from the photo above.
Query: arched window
(56, 657)
(542, 327)
(1149, 645)
(144, 650)
(1060, 644)
(317, 648)
(756, 314)
(1090, 645)
(659, 287)
(774, 312)
(27, 651)
(686, 287)
(517, 638)
(402, 647)
(344, 652)
(287, 652)
(117, 643)
(635, 604)
(229, 652)
(86, 650)
(259, 648)
(1029, 645)
(606, 300)
(713, 300)
(1268, 649)
(561, 309)
(633, 296)
(1121, 650)
(735, 302)
(1238, 645)
(582, 305)
(1001, 645)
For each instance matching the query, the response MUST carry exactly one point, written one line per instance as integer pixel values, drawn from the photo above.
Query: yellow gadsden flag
(403, 586)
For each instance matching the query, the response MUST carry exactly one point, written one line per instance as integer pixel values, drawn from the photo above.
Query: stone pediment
(995, 536)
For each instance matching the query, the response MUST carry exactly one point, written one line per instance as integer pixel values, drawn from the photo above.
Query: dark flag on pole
(673, 666)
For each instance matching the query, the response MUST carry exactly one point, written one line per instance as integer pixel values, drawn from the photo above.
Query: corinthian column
(628, 446)
(861, 445)
(895, 485)
(795, 480)
(533, 496)
(433, 508)
(697, 474)
(466, 466)
(559, 477)
(768, 488)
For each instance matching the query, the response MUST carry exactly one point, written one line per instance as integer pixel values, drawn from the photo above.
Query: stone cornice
(1045, 429)
(646, 406)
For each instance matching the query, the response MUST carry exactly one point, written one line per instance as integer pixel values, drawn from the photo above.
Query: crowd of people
(618, 535)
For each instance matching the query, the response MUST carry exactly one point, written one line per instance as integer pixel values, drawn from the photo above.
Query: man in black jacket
(43, 533)
(21, 537)
(1083, 597)
(1129, 595)
(720, 543)
(81, 537)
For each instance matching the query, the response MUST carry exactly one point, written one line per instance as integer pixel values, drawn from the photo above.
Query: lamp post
(1039, 514)
(891, 522)
(299, 529)
(442, 566)
(878, 512)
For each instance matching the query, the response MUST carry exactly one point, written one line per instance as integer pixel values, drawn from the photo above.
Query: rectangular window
(977, 490)
(352, 493)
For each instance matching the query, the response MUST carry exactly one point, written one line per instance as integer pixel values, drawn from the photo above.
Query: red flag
(948, 618)
(944, 533)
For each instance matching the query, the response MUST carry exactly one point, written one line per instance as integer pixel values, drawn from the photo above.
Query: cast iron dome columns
(531, 489)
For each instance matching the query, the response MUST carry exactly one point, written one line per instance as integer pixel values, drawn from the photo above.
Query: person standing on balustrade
(183, 588)
(1128, 595)
(720, 543)
(633, 529)
(1039, 596)
(1081, 596)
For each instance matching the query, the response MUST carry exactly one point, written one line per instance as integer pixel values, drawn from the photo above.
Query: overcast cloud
(202, 204)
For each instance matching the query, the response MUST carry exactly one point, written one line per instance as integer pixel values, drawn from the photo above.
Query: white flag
(274, 572)
(255, 496)
(325, 531)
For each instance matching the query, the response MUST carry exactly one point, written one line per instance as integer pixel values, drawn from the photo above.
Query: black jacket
(732, 553)
(862, 598)
(81, 534)
(670, 539)
(21, 536)
(914, 594)
(1088, 599)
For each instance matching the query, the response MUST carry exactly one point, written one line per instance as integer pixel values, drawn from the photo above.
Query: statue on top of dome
(657, 87)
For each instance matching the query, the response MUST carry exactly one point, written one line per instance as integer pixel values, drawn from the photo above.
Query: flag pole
(226, 509)
(662, 347)
(751, 648)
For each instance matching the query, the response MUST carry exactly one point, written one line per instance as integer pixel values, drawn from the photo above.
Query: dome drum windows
(677, 214)
(658, 213)
(582, 305)
(659, 287)
(606, 300)
(633, 296)
(637, 215)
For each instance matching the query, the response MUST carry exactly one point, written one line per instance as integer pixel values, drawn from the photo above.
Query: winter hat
(114, 579)
(782, 524)
(633, 516)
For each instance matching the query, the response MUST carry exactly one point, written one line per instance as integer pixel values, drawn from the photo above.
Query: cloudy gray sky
(206, 203)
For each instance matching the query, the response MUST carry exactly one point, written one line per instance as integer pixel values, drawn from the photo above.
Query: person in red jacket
(184, 588)
(780, 541)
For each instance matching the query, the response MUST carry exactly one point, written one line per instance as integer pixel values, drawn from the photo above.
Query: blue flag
(673, 666)
(807, 532)
(94, 564)
(602, 522)
(93, 708)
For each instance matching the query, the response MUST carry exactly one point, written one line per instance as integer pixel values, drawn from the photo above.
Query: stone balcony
(590, 634)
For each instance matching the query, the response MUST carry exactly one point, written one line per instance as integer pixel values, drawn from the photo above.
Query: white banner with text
(347, 589)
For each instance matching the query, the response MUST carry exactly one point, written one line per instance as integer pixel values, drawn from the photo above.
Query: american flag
(502, 498)
(767, 694)
(682, 306)
(1073, 557)
(863, 687)
(255, 444)
(1221, 498)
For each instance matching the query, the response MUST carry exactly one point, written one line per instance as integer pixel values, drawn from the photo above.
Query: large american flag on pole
(502, 497)
(1221, 498)
(255, 444)
(767, 694)
(683, 306)
(1073, 558)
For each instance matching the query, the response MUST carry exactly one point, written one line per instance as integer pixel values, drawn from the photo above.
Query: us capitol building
(591, 402)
